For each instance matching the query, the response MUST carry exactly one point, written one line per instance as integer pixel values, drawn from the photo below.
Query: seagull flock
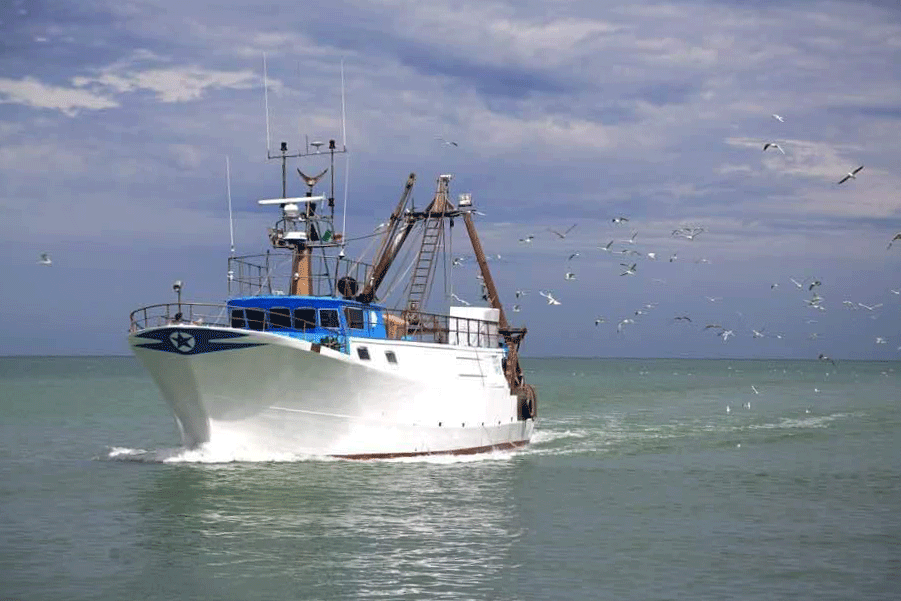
(630, 248)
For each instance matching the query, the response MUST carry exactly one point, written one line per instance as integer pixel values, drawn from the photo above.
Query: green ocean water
(639, 484)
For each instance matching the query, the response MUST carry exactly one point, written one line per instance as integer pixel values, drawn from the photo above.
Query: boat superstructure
(304, 356)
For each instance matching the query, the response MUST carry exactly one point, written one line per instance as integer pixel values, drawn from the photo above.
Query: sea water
(646, 479)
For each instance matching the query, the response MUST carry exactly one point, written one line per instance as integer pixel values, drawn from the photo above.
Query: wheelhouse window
(305, 319)
(391, 357)
(280, 318)
(238, 320)
(354, 318)
(256, 318)
(328, 318)
(363, 353)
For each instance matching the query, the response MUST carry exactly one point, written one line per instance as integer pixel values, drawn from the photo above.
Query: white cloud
(175, 84)
(31, 92)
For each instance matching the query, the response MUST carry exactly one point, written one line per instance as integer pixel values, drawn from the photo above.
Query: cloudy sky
(115, 120)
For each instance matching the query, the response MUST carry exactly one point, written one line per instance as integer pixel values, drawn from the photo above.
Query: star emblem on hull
(182, 341)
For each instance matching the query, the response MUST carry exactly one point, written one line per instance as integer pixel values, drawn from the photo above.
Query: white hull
(267, 390)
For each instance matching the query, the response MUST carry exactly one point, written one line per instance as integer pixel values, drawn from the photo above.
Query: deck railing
(270, 273)
(399, 325)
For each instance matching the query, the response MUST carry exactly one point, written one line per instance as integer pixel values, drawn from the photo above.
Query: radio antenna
(346, 157)
(228, 188)
(343, 121)
(266, 98)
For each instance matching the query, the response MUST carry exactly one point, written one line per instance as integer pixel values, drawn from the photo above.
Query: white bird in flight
(630, 269)
(569, 276)
(459, 300)
(527, 240)
(619, 327)
(773, 145)
(778, 118)
(897, 237)
(850, 175)
(45, 259)
(446, 142)
(868, 307)
(550, 297)
(619, 220)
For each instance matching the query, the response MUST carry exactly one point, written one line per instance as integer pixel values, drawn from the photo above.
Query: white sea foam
(206, 454)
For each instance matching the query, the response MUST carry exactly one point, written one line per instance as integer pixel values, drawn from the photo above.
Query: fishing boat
(306, 357)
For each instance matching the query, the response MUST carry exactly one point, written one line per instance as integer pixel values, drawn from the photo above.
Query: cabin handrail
(399, 324)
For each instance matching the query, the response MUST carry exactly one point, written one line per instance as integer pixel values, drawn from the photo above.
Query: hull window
(328, 318)
(305, 319)
(363, 353)
(238, 320)
(280, 318)
(256, 318)
(391, 357)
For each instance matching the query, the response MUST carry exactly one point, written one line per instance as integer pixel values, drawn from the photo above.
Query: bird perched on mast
(311, 181)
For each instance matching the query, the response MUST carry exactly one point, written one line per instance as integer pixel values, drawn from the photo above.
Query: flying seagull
(527, 240)
(619, 220)
(868, 307)
(569, 275)
(619, 327)
(897, 237)
(851, 175)
(598, 321)
(823, 357)
(778, 118)
(682, 318)
(550, 297)
(563, 235)
(609, 244)
(45, 259)
(459, 300)
(773, 145)
(446, 142)
(630, 269)
(574, 255)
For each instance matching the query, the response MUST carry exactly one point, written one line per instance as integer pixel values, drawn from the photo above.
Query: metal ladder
(421, 279)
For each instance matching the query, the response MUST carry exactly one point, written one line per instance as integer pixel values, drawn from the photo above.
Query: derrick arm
(483, 266)
(391, 245)
(512, 336)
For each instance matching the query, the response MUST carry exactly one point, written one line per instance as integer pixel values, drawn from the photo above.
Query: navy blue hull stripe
(192, 341)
